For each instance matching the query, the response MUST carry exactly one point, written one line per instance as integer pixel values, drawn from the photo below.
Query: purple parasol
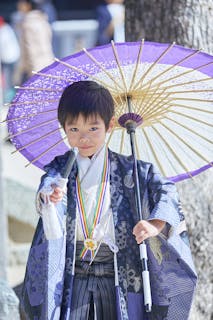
(171, 90)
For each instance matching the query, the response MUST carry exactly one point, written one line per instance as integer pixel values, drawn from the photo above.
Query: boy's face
(88, 135)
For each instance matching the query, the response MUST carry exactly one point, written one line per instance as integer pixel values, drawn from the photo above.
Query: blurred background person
(35, 37)
(110, 17)
(9, 55)
(47, 7)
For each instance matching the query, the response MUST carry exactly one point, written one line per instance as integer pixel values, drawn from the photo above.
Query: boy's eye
(93, 129)
(73, 129)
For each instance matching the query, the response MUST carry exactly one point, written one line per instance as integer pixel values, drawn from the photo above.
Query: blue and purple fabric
(47, 290)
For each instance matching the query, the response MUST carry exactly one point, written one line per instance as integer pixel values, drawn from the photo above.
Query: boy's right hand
(57, 194)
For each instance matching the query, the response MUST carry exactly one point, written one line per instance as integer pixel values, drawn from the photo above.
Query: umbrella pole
(131, 127)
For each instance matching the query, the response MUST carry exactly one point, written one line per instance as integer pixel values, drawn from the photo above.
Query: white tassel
(53, 227)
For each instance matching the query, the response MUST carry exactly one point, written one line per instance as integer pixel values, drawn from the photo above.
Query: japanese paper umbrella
(171, 93)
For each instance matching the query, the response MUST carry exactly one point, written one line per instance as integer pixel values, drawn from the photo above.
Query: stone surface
(9, 303)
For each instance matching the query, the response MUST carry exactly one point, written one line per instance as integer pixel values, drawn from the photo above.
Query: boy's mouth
(85, 147)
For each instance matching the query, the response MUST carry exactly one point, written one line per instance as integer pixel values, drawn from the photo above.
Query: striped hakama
(93, 295)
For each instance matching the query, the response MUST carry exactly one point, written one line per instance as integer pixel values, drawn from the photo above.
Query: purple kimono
(47, 290)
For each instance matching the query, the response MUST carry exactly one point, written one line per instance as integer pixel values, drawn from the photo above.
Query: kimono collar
(87, 168)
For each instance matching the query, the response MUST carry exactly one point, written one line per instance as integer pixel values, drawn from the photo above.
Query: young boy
(94, 271)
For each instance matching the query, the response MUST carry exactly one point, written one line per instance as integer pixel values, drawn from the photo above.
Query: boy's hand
(145, 229)
(57, 195)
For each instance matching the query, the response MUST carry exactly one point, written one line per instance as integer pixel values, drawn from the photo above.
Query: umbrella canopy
(170, 87)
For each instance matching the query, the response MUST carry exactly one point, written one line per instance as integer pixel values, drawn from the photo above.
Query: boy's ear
(111, 124)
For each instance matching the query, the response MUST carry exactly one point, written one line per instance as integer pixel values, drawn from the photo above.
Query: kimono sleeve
(163, 198)
(52, 176)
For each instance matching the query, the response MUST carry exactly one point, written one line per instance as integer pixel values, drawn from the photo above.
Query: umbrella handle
(130, 126)
(70, 161)
(145, 277)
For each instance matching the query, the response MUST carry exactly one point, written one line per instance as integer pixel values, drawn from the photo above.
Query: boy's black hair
(87, 98)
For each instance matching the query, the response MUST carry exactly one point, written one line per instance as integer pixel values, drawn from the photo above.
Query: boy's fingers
(140, 238)
(139, 227)
(57, 195)
(57, 189)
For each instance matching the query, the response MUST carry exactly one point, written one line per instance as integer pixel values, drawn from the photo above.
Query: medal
(90, 245)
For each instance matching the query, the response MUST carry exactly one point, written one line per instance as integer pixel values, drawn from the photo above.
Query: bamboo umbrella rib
(185, 91)
(146, 92)
(116, 102)
(101, 67)
(32, 128)
(137, 108)
(176, 76)
(157, 99)
(192, 118)
(191, 91)
(45, 152)
(137, 64)
(190, 107)
(46, 75)
(172, 152)
(156, 113)
(153, 65)
(85, 74)
(189, 129)
(194, 99)
(185, 143)
(36, 140)
(154, 93)
(119, 65)
(153, 152)
(14, 104)
(28, 116)
(170, 93)
(175, 65)
(170, 160)
(37, 89)
(160, 106)
(149, 95)
(186, 83)
(156, 107)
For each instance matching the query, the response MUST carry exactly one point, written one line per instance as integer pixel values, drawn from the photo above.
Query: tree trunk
(188, 23)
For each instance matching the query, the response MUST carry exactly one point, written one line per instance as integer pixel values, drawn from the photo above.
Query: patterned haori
(48, 284)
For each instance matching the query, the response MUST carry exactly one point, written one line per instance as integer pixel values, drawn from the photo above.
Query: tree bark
(188, 23)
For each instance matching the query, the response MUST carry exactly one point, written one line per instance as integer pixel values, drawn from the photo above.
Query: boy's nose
(84, 139)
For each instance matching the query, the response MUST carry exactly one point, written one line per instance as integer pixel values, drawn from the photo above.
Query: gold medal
(90, 244)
